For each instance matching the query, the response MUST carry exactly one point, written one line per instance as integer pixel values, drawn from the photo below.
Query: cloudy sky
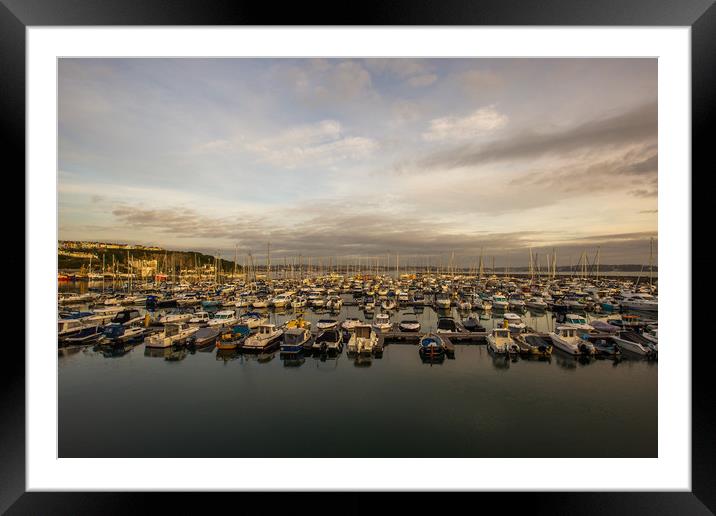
(343, 157)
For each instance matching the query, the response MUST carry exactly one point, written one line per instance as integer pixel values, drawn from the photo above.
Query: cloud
(423, 80)
(452, 128)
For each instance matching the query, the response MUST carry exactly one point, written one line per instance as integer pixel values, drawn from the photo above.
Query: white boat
(568, 340)
(173, 333)
(516, 302)
(388, 304)
(266, 336)
(499, 302)
(464, 305)
(350, 323)
(382, 322)
(326, 324)
(282, 300)
(500, 341)
(442, 300)
(174, 318)
(260, 302)
(334, 303)
(536, 303)
(224, 318)
(294, 339)
(403, 296)
(578, 321)
(252, 320)
(514, 322)
(363, 340)
(639, 301)
(200, 317)
(635, 343)
(299, 302)
(409, 325)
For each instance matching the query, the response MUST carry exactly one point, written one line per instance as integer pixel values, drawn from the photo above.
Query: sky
(420, 158)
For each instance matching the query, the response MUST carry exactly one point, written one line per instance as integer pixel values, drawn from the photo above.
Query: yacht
(382, 322)
(499, 302)
(173, 333)
(409, 325)
(566, 338)
(442, 301)
(635, 343)
(327, 324)
(350, 323)
(446, 325)
(282, 300)
(252, 320)
(200, 318)
(579, 322)
(265, 338)
(536, 303)
(639, 301)
(224, 318)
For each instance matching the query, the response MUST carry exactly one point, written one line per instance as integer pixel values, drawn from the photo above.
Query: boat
(500, 341)
(128, 317)
(419, 299)
(173, 333)
(567, 339)
(442, 301)
(514, 322)
(329, 338)
(204, 337)
(298, 322)
(334, 303)
(606, 347)
(350, 322)
(499, 302)
(75, 328)
(431, 346)
(639, 301)
(252, 319)
(473, 324)
(579, 322)
(117, 333)
(224, 318)
(446, 325)
(200, 318)
(388, 304)
(299, 302)
(382, 322)
(265, 338)
(174, 317)
(363, 340)
(231, 339)
(282, 300)
(516, 302)
(260, 302)
(327, 324)
(533, 344)
(409, 325)
(536, 303)
(635, 343)
(603, 326)
(294, 340)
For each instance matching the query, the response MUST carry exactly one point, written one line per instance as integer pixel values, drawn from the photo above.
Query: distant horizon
(348, 157)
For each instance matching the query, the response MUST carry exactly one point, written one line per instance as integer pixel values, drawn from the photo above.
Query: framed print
(421, 253)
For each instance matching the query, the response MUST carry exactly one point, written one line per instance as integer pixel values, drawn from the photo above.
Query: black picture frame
(700, 15)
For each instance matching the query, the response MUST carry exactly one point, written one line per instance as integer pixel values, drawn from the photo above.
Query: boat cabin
(362, 331)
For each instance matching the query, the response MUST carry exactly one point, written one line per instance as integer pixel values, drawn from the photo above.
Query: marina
(180, 354)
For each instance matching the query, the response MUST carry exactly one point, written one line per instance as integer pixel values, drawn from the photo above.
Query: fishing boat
(363, 340)
(173, 333)
(500, 341)
(203, 337)
(230, 339)
(635, 343)
(327, 324)
(409, 325)
(294, 340)
(382, 322)
(330, 338)
(224, 318)
(446, 325)
(431, 346)
(533, 344)
(266, 337)
(514, 322)
(567, 339)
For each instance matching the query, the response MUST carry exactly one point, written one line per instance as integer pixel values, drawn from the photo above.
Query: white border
(671, 470)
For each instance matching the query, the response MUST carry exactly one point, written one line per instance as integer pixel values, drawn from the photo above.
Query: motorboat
(231, 338)
(431, 346)
(388, 304)
(200, 318)
(204, 337)
(499, 302)
(536, 303)
(326, 324)
(500, 341)
(567, 339)
(464, 305)
(409, 325)
(350, 322)
(442, 301)
(282, 300)
(173, 333)
(294, 340)
(533, 344)
(382, 322)
(363, 340)
(446, 325)
(639, 301)
(603, 326)
(633, 342)
(606, 347)
(260, 302)
(330, 338)
(473, 324)
(298, 322)
(516, 302)
(514, 322)
(579, 322)
(265, 338)
(128, 317)
(174, 317)
(252, 320)
(75, 328)
(224, 318)
(334, 303)
(117, 333)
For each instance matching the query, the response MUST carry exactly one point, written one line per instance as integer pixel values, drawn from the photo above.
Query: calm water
(182, 404)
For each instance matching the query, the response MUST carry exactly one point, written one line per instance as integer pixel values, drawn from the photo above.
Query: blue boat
(431, 346)
(116, 333)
